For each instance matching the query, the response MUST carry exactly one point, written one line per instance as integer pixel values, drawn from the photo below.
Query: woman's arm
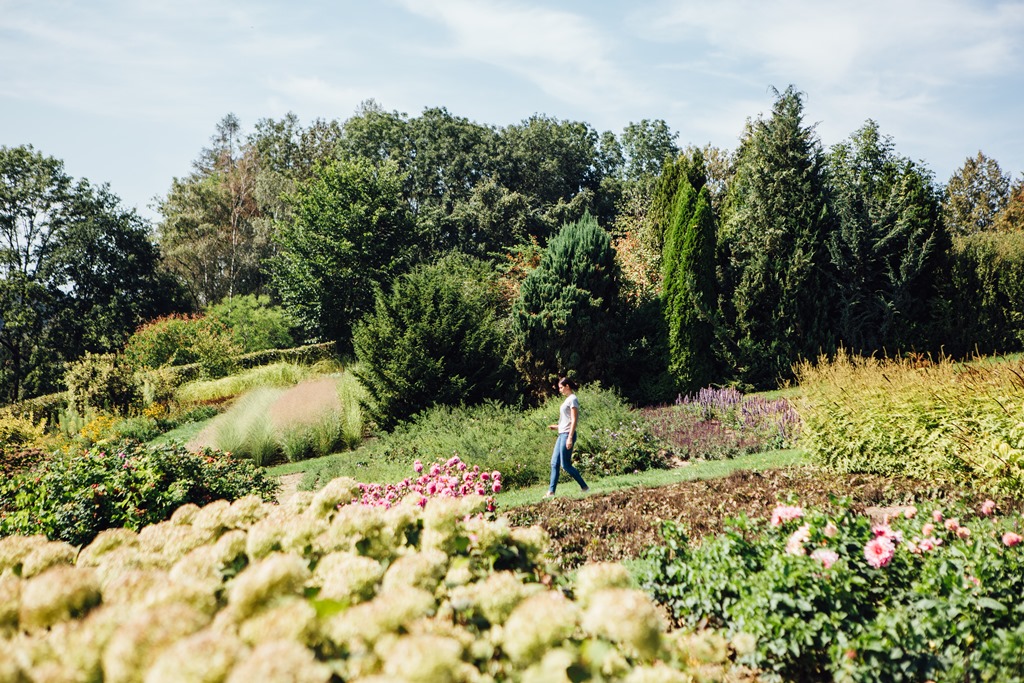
(573, 413)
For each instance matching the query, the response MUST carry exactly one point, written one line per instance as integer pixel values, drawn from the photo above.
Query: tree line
(544, 246)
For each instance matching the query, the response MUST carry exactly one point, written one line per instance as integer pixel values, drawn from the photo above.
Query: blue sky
(128, 92)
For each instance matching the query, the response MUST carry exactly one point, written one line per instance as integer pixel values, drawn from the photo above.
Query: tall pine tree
(774, 233)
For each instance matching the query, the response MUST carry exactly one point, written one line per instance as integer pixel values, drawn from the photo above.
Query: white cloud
(563, 54)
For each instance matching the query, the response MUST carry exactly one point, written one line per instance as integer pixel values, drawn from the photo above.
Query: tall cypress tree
(775, 232)
(689, 278)
(565, 317)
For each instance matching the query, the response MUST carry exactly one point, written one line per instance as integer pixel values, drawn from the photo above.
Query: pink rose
(825, 556)
(910, 512)
(937, 516)
(830, 530)
(785, 513)
(496, 487)
(988, 507)
(418, 466)
(879, 552)
(927, 529)
(963, 532)
(1011, 539)
(952, 524)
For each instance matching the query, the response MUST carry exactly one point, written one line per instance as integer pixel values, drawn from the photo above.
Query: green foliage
(434, 339)
(688, 264)
(982, 295)
(975, 195)
(183, 340)
(932, 420)
(252, 323)
(890, 247)
(779, 301)
(937, 603)
(102, 382)
(647, 145)
(565, 319)
(350, 232)
(77, 272)
(516, 443)
(74, 496)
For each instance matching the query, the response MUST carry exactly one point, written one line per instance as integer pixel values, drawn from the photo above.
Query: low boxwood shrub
(836, 596)
(73, 496)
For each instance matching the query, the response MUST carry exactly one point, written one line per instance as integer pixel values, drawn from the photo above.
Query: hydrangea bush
(325, 589)
(926, 595)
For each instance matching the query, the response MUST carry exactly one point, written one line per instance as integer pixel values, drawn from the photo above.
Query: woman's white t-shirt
(565, 413)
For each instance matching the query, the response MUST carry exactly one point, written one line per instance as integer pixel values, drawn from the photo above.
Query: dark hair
(567, 382)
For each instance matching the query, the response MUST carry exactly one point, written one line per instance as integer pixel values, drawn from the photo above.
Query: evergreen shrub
(102, 382)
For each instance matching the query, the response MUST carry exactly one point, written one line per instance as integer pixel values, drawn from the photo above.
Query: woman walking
(568, 415)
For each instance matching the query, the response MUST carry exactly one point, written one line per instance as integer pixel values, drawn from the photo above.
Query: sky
(127, 92)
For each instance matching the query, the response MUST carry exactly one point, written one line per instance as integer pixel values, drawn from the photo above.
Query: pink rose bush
(451, 478)
(804, 580)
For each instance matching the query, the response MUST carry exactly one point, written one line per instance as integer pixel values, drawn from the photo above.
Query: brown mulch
(623, 524)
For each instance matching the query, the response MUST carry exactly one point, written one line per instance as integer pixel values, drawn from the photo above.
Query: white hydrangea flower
(300, 534)
(280, 662)
(57, 594)
(274, 576)
(598, 576)
(145, 588)
(264, 537)
(424, 659)
(442, 519)
(384, 614)
(211, 516)
(532, 541)
(206, 563)
(487, 535)
(298, 503)
(744, 643)
(421, 570)
(184, 514)
(136, 645)
(627, 617)
(10, 599)
(172, 541)
(291, 619)
(125, 560)
(337, 492)
(460, 573)
(346, 576)
(10, 663)
(105, 542)
(537, 624)
(553, 668)
(361, 529)
(76, 646)
(13, 550)
(658, 673)
(705, 646)
(204, 657)
(245, 512)
(495, 597)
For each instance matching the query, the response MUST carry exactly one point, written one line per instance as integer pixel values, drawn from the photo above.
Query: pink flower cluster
(879, 551)
(443, 479)
(786, 513)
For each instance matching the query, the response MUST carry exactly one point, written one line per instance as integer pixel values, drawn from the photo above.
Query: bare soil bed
(623, 524)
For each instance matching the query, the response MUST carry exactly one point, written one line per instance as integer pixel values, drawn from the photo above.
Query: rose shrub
(931, 595)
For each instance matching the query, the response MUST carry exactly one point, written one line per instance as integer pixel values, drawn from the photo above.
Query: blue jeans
(562, 457)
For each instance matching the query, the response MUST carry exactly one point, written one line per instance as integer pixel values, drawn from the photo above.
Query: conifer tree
(564, 320)
(689, 277)
(774, 234)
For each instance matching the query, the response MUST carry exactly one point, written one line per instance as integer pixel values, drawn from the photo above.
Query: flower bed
(932, 594)
(324, 590)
